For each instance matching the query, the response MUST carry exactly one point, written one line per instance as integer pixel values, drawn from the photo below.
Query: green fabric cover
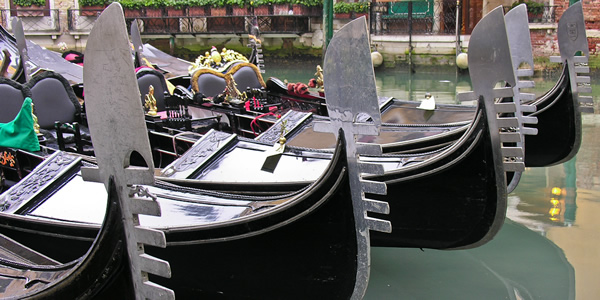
(19, 133)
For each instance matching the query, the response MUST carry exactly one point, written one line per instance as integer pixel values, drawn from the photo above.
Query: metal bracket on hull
(117, 127)
(352, 96)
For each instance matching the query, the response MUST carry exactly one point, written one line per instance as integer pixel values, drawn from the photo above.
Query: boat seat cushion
(210, 85)
(53, 99)
(13, 95)
(246, 77)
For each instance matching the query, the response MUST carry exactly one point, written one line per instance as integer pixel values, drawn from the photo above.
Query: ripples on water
(549, 247)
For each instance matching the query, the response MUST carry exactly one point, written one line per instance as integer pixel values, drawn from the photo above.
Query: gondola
(37, 59)
(560, 107)
(239, 239)
(276, 232)
(29, 274)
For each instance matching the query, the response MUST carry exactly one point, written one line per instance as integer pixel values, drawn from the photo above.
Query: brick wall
(544, 40)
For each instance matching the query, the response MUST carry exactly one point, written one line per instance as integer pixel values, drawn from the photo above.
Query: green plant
(308, 2)
(154, 3)
(29, 2)
(191, 3)
(176, 3)
(131, 4)
(534, 8)
(240, 3)
(345, 8)
(94, 2)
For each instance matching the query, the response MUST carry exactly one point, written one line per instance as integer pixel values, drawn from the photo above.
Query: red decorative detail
(7, 159)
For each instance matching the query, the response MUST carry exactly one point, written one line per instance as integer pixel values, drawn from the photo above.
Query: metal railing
(81, 20)
(34, 20)
(418, 17)
(547, 16)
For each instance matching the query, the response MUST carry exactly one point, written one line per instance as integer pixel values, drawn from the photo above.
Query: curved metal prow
(350, 85)
(572, 40)
(519, 38)
(490, 63)
(17, 27)
(118, 129)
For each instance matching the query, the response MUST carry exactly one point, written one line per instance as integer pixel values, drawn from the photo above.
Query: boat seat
(208, 83)
(58, 111)
(147, 77)
(247, 76)
(53, 99)
(212, 83)
(13, 95)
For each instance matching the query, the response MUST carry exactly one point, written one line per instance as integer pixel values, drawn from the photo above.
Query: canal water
(549, 246)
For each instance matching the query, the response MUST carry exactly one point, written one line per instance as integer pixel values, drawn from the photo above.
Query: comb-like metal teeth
(151, 290)
(368, 149)
(378, 224)
(370, 168)
(508, 122)
(529, 109)
(373, 187)
(503, 92)
(377, 206)
(144, 207)
(506, 107)
(512, 151)
(514, 166)
(586, 99)
(527, 96)
(510, 137)
(150, 236)
(582, 79)
(155, 266)
(525, 84)
(584, 89)
(529, 120)
(529, 131)
(582, 69)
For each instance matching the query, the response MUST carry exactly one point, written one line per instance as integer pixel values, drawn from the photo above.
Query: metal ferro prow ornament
(350, 88)
(117, 126)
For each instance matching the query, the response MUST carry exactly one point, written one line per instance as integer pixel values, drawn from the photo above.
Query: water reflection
(517, 264)
(548, 247)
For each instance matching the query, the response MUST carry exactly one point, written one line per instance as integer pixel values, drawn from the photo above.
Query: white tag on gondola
(428, 103)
